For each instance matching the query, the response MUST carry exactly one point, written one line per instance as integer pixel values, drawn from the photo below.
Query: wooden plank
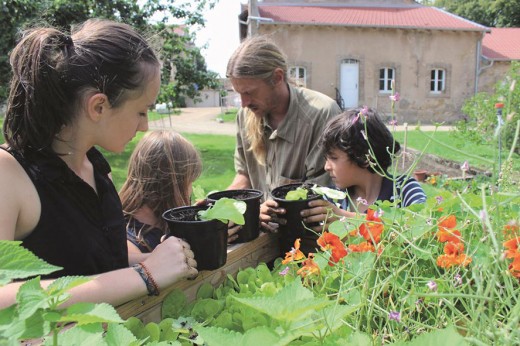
(263, 249)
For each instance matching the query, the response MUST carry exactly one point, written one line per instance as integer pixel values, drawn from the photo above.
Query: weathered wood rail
(263, 249)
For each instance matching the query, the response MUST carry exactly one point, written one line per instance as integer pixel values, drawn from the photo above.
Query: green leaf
(330, 193)
(225, 209)
(65, 283)
(173, 304)
(118, 335)
(215, 336)
(298, 194)
(205, 291)
(31, 327)
(153, 330)
(86, 313)
(205, 309)
(87, 335)
(16, 262)
(30, 298)
(198, 193)
(293, 302)
(448, 336)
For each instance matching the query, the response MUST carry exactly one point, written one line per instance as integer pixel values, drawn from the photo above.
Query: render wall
(413, 53)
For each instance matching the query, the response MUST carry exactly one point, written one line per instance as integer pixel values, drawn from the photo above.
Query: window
(298, 74)
(438, 81)
(386, 75)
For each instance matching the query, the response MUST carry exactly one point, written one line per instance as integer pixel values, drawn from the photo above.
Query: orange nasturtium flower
(330, 241)
(514, 267)
(372, 229)
(295, 254)
(446, 231)
(309, 267)
(362, 247)
(452, 248)
(512, 247)
(511, 230)
(446, 261)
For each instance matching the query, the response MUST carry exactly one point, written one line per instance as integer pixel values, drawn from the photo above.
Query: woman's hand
(270, 216)
(171, 261)
(321, 211)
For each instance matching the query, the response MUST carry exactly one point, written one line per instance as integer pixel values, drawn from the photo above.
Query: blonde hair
(162, 168)
(257, 58)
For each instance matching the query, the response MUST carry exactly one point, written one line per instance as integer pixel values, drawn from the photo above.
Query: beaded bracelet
(151, 285)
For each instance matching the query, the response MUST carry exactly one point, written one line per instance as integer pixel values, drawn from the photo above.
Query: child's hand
(321, 211)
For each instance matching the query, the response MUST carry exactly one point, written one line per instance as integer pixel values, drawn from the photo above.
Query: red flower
(330, 241)
(447, 261)
(372, 229)
(309, 267)
(445, 234)
(295, 254)
(362, 247)
(512, 247)
(514, 267)
(452, 248)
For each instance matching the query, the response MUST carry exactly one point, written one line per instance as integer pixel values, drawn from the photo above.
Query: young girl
(161, 172)
(69, 94)
(359, 150)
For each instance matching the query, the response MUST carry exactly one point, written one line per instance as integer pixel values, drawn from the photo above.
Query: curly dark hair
(357, 131)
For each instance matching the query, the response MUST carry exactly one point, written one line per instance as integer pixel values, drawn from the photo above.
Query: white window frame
(386, 79)
(437, 81)
(294, 75)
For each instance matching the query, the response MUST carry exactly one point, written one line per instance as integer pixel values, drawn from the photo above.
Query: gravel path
(203, 120)
(196, 120)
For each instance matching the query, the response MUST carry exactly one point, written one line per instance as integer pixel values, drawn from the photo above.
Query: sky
(220, 33)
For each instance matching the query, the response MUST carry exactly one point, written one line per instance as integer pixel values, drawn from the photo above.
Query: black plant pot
(207, 239)
(251, 229)
(295, 227)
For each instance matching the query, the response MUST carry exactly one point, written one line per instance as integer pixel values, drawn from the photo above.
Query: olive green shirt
(293, 151)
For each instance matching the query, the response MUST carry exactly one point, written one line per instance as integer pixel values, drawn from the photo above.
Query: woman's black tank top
(79, 230)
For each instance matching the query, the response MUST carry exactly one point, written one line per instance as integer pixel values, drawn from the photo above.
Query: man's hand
(270, 216)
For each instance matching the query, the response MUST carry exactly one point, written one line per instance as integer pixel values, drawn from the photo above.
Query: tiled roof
(418, 17)
(502, 44)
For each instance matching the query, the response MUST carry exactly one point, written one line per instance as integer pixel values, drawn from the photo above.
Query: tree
(177, 49)
(492, 13)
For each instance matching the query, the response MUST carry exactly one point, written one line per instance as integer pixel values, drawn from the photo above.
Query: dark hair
(359, 132)
(53, 72)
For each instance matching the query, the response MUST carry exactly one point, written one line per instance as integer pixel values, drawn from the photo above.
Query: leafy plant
(225, 210)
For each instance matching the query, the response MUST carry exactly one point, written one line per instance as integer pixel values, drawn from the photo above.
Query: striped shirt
(407, 192)
(293, 152)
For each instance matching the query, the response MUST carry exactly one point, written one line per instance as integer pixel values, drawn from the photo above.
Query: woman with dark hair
(359, 150)
(68, 94)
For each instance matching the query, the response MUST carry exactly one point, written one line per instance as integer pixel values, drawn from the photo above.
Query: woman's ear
(96, 105)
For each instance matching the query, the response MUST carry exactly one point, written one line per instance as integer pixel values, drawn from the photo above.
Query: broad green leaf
(225, 209)
(168, 333)
(205, 309)
(117, 335)
(30, 298)
(215, 336)
(136, 327)
(298, 194)
(173, 304)
(154, 331)
(88, 335)
(65, 283)
(330, 193)
(340, 228)
(16, 262)
(447, 336)
(205, 291)
(86, 313)
(31, 327)
(291, 303)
